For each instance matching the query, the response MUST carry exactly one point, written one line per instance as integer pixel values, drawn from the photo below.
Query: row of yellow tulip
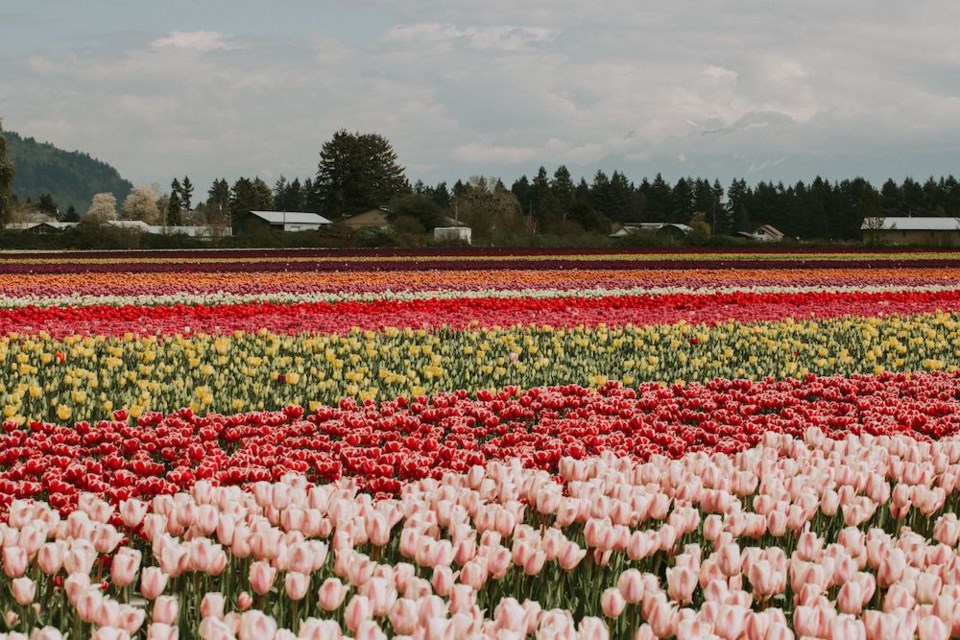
(42, 378)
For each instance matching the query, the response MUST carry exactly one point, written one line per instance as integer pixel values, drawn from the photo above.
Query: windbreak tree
(6, 177)
(358, 172)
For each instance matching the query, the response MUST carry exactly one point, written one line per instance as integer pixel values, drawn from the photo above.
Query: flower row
(806, 537)
(377, 297)
(466, 312)
(42, 378)
(384, 445)
(483, 261)
(134, 283)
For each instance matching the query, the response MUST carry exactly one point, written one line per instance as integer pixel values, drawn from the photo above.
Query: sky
(762, 90)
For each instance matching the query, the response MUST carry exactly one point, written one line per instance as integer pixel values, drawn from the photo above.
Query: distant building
(453, 234)
(39, 227)
(279, 221)
(763, 233)
(197, 231)
(659, 229)
(372, 219)
(940, 232)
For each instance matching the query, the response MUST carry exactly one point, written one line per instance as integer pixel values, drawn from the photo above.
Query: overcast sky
(750, 88)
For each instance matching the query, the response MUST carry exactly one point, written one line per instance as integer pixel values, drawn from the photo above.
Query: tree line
(358, 172)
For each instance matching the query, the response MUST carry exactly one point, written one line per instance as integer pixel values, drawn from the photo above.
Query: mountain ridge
(70, 177)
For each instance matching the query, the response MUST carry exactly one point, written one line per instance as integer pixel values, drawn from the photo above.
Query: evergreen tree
(682, 202)
(175, 204)
(625, 205)
(174, 210)
(658, 199)
(46, 204)
(72, 214)
(357, 172)
(186, 194)
(6, 177)
(738, 196)
(218, 202)
(562, 188)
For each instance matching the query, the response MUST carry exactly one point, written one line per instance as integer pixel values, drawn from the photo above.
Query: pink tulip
(160, 631)
(891, 568)
(369, 630)
(358, 610)
(850, 598)
(152, 582)
(88, 604)
(24, 590)
(107, 613)
(47, 633)
(331, 594)
(244, 601)
(314, 629)
(630, 584)
(442, 580)
(50, 557)
(212, 605)
(592, 629)
(132, 512)
(109, 633)
(131, 618)
(123, 569)
(932, 628)
(662, 619)
(165, 609)
(14, 561)
(847, 627)
(262, 574)
(612, 602)
(681, 583)
(296, 585)
(947, 529)
(404, 616)
(730, 622)
(255, 625)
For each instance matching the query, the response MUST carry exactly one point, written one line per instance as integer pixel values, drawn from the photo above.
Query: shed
(280, 221)
(453, 234)
(929, 231)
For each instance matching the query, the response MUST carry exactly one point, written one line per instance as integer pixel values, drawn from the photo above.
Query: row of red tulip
(460, 313)
(387, 444)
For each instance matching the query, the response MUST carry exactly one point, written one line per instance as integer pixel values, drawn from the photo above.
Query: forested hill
(71, 177)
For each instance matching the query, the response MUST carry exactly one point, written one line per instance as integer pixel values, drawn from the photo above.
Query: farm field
(469, 444)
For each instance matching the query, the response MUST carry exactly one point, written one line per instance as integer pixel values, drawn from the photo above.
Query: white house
(281, 220)
(763, 233)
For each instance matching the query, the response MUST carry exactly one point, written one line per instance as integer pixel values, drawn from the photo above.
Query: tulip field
(471, 444)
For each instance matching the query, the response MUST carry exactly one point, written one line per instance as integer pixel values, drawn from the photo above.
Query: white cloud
(478, 153)
(202, 41)
(502, 38)
(501, 87)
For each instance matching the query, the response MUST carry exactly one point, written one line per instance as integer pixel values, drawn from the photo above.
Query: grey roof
(291, 217)
(891, 223)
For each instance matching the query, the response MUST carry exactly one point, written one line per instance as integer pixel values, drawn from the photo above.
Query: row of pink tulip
(810, 537)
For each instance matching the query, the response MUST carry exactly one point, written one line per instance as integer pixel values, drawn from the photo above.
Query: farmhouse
(659, 229)
(763, 233)
(372, 219)
(939, 232)
(279, 221)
